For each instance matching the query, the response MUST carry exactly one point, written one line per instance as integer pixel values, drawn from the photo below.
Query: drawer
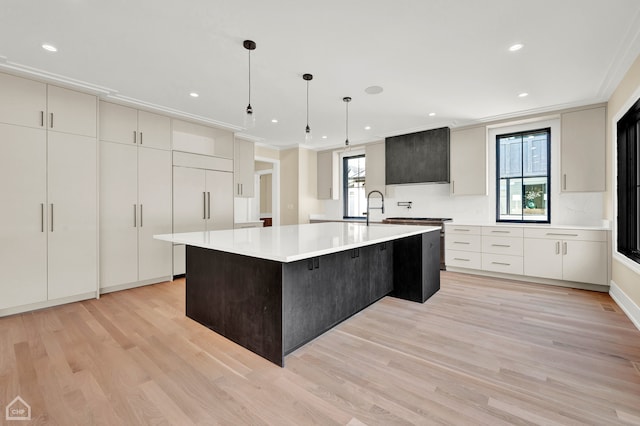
(462, 259)
(502, 231)
(566, 234)
(502, 245)
(502, 263)
(462, 229)
(462, 242)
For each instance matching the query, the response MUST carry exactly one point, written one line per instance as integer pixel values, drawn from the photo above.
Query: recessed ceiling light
(193, 94)
(324, 137)
(274, 120)
(49, 47)
(373, 90)
(432, 114)
(523, 95)
(516, 47)
(367, 127)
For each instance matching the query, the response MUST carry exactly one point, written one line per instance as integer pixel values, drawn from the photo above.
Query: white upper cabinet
(199, 139)
(375, 167)
(244, 168)
(328, 180)
(72, 112)
(469, 161)
(583, 150)
(128, 125)
(23, 102)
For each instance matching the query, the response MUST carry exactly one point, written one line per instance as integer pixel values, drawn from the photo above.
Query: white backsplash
(434, 200)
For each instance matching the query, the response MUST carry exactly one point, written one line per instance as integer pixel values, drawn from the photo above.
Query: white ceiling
(443, 56)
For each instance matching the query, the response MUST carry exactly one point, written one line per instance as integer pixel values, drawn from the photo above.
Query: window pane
(355, 202)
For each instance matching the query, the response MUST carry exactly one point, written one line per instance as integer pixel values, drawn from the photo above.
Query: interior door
(23, 238)
(219, 187)
(72, 209)
(118, 210)
(154, 196)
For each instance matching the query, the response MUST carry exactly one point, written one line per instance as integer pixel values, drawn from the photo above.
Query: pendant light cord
(307, 103)
(249, 77)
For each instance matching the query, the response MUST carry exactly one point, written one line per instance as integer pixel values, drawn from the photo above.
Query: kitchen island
(274, 289)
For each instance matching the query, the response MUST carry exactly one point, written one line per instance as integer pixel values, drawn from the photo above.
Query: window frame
(345, 186)
(523, 133)
(628, 170)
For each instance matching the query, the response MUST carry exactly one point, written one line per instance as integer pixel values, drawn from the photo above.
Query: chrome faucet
(369, 208)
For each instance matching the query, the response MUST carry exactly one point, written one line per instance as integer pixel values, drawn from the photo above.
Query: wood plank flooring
(481, 351)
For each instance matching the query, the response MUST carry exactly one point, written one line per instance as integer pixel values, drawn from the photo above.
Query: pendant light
(346, 100)
(249, 116)
(307, 130)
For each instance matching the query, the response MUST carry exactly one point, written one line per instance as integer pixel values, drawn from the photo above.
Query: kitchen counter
(272, 290)
(295, 242)
(531, 225)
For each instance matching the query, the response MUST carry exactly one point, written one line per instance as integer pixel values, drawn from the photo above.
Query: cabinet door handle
(41, 217)
(557, 247)
(140, 138)
(242, 188)
(51, 120)
(453, 186)
(141, 216)
(564, 248)
(564, 181)
(501, 263)
(135, 214)
(461, 242)
(208, 205)
(461, 229)
(41, 118)
(501, 232)
(500, 245)
(204, 205)
(461, 259)
(51, 217)
(561, 234)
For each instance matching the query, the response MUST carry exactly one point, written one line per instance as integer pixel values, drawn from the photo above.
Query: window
(522, 176)
(355, 198)
(629, 183)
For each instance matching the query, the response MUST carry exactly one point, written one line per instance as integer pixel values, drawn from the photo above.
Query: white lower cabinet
(567, 254)
(135, 204)
(48, 221)
(577, 255)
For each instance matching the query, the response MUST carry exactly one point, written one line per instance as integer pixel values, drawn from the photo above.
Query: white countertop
(296, 242)
(603, 227)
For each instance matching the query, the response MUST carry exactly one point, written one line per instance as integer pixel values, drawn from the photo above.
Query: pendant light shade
(346, 100)
(307, 130)
(249, 116)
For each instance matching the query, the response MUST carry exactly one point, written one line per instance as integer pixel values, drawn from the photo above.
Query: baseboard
(127, 286)
(627, 305)
(47, 304)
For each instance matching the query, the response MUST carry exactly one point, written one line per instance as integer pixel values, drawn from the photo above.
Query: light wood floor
(481, 351)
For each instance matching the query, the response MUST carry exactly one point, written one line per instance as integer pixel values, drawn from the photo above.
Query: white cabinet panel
(72, 112)
(72, 196)
(23, 102)
(502, 245)
(469, 161)
(154, 130)
(502, 263)
(244, 168)
(375, 167)
(118, 221)
(118, 123)
(219, 200)
(463, 242)
(189, 200)
(154, 200)
(328, 180)
(463, 259)
(583, 150)
(585, 261)
(23, 225)
(542, 258)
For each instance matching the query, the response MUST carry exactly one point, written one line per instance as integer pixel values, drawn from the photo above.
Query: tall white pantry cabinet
(135, 197)
(48, 180)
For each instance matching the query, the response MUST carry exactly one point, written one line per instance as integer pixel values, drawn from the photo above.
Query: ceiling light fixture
(49, 47)
(193, 94)
(367, 127)
(307, 130)
(275, 120)
(523, 95)
(324, 136)
(346, 100)
(516, 47)
(249, 116)
(432, 114)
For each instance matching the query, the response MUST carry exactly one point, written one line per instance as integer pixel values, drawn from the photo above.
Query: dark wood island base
(273, 308)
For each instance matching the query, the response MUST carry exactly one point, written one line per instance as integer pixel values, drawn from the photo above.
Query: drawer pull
(501, 263)
(461, 242)
(501, 232)
(561, 234)
(500, 245)
(461, 259)
(461, 229)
